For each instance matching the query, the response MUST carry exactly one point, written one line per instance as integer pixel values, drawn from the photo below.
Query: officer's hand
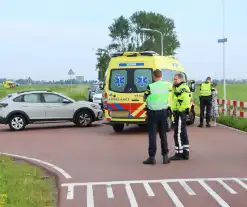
(187, 111)
(174, 113)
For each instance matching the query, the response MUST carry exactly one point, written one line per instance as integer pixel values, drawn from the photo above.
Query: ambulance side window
(168, 75)
(142, 78)
(118, 80)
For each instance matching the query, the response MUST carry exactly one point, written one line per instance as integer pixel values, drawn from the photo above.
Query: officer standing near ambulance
(181, 99)
(156, 98)
(205, 101)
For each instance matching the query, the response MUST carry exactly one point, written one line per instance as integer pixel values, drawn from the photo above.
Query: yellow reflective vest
(206, 89)
(181, 97)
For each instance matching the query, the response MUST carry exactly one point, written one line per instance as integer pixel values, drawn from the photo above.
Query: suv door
(55, 108)
(31, 104)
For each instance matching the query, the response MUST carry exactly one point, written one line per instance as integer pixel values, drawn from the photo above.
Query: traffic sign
(71, 72)
(222, 40)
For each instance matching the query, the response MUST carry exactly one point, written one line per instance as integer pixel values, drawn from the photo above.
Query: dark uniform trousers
(180, 134)
(157, 119)
(205, 102)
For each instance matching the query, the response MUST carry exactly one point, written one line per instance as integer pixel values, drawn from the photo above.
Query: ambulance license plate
(119, 114)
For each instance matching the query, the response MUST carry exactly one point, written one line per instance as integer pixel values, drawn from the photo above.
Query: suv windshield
(168, 75)
(130, 80)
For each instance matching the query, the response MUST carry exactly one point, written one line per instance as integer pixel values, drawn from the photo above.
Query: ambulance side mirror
(192, 86)
(101, 85)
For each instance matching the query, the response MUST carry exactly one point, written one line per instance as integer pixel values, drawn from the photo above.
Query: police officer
(205, 101)
(181, 99)
(156, 97)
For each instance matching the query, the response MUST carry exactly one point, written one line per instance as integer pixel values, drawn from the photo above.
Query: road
(105, 169)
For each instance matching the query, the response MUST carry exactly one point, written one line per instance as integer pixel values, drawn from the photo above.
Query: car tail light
(3, 105)
(105, 101)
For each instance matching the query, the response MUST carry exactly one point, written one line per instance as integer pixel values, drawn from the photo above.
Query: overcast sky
(44, 39)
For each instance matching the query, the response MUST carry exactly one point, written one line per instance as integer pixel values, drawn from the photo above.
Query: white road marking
(58, 169)
(240, 183)
(109, 192)
(172, 195)
(227, 187)
(213, 194)
(148, 189)
(187, 188)
(90, 198)
(149, 181)
(70, 194)
(131, 196)
(146, 183)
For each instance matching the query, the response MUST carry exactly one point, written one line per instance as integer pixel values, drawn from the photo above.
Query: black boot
(186, 155)
(177, 156)
(208, 125)
(166, 159)
(149, 161)
(200, 125)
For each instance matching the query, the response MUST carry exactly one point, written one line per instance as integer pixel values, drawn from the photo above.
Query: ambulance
(126, 80)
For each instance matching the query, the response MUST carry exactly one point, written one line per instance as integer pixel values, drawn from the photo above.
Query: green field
(77, 92)
(24, 185)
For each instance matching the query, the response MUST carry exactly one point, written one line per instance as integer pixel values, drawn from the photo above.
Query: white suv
(30, 107)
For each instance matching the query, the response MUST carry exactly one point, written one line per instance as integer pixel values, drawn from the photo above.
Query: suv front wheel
(17, 122)
(84, 118)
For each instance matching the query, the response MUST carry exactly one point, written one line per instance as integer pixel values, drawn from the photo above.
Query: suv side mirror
(66, 101)
(192, 86)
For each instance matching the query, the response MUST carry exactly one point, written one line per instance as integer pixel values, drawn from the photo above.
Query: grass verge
(23, 185)
(231, 121)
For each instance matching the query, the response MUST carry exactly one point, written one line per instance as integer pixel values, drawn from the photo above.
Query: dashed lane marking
(164, 183)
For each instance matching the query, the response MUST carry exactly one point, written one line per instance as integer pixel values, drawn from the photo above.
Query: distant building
(80, 78)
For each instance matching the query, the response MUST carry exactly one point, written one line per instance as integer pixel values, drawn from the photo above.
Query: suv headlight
(95, 106)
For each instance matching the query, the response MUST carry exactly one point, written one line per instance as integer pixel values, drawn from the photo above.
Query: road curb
(237, 130)
(48, 172)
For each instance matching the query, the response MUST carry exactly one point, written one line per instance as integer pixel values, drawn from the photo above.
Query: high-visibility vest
(181, 97)
(159, 94)
(206, 89)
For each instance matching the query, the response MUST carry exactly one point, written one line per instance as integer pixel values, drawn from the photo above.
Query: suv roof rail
(134, 54)
(33, 91)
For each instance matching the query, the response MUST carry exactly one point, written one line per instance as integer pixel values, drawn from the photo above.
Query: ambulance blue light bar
(130, 64)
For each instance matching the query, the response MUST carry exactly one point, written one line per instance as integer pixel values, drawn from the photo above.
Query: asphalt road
(99, 168)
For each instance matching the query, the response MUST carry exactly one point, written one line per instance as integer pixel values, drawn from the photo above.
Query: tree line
(127, 35)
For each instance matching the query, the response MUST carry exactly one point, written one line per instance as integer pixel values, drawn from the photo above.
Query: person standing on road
(156, 98)
(181, 100)
(205, 101)
(214, 109)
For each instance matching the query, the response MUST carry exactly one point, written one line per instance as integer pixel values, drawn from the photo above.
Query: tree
(126, 35)
(120, 32)
(102, 62)
(152, 40)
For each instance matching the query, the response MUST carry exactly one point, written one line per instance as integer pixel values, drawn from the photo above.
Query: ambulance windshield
(168, 75)
(131, 80)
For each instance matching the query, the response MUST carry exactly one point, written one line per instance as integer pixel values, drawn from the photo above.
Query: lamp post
(161, 36)
(223, 41)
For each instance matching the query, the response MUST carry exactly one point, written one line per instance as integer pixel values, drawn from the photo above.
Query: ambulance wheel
(118, 127)
(192, 116)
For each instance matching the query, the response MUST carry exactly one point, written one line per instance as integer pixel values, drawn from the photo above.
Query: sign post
(71, 73)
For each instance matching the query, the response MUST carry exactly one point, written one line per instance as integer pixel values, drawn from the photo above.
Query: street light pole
(223, 41)
(161, 37)
(223, 52)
